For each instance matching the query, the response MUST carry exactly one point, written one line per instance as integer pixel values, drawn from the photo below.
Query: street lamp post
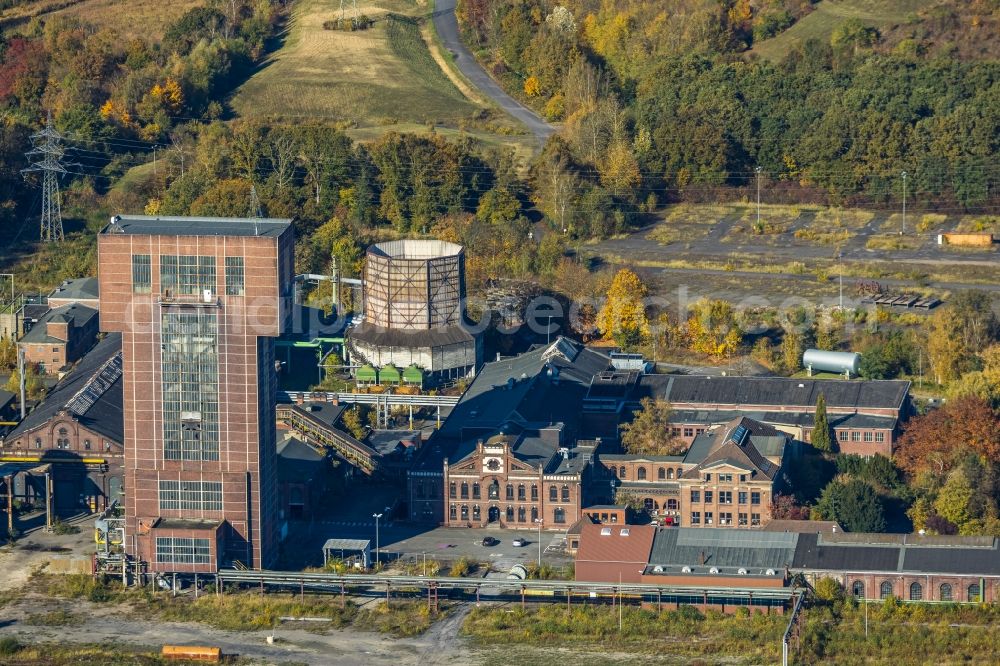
(538, 521)
(376, 516)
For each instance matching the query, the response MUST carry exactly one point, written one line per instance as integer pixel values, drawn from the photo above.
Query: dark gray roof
(901, 553)
(196, 226)
(297, 461)
(390, 337)
(799, 419)
(546, 384)
(6, 397)
(727, 549)
(85, 288)
(386, 441)
(92, 391)
(777, 391)
(737, 443)
(76, 314)
(325, 412)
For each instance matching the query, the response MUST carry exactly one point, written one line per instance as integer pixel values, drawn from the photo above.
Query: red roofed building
(613, 552)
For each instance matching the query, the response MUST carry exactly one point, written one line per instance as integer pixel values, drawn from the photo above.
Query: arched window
(520, 514)
(534, 493)
(670, 474)
(476, 493)
(494, 489)
(672, 504)
(621, 472)
(510, 514)
(553, 494)
(945, 592)
(559, 516)
(858, 589)
(916, 592)
(974, 592)
(641, 474)
(475, 512)
(661, 474)
(86, 445)
(38, 443)
(534, 514)
(565, 493)
(451, 490)
(453, 512)
(679, 472)
(465, 490)
(520, 492)
(510, 491)
(465, 512)
(885, 590)
(648, 504)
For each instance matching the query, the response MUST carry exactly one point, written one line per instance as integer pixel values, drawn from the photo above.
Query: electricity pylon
(47, 153)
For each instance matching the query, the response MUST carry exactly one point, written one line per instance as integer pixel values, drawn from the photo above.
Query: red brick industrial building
(198, 302)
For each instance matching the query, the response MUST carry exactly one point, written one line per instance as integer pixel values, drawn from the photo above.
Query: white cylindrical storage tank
(831, 361)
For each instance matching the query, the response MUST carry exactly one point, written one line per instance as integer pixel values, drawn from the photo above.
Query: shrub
(828, 589)
(9, 646)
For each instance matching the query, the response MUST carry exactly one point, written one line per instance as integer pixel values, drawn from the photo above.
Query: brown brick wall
(249, 487)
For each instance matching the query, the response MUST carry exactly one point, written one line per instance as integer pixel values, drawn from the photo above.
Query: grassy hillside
(829, 14)
(378, 76)
(134, 18)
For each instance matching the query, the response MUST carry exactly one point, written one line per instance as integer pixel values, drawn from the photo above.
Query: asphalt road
(446, 25)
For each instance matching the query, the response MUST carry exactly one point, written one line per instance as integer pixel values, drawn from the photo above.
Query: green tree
(854, 504)
(953, 501)
(822, 435)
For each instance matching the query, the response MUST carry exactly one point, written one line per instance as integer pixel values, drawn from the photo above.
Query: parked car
(490, 541)
(519, 543)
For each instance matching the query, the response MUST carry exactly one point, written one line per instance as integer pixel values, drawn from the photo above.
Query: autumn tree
(352, 423)
(712, 328)
(649, 432)
(623, 316)
(34, 386)
(935, 442)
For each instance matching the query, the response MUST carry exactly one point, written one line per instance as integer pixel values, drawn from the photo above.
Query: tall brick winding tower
(198, 302)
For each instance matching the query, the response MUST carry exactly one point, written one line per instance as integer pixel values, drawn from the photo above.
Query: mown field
(829, 14)
(129, 18)
(380, 76)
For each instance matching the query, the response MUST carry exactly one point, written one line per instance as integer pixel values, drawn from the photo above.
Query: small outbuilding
(358, 551)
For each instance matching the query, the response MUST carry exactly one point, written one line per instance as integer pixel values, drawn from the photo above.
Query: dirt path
(100, 623)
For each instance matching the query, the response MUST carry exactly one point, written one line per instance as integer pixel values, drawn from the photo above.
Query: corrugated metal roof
(752, 549)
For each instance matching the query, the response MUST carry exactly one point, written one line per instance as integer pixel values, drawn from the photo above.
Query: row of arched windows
(916, 591)
(662, 473)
